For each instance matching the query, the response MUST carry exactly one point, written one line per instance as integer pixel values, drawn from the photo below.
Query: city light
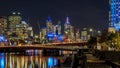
(2, 38)
(51, 61)
(60, 34)
(2, 60)
(115, 14)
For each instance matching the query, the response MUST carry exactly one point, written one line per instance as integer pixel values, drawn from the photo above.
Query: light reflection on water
(2, 60)
(9, 60)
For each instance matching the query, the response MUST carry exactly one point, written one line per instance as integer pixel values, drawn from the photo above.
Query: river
(29, 60)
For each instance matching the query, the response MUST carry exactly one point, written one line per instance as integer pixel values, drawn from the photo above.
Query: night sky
(82, 13)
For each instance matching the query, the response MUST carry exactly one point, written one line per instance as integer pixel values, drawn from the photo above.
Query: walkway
(93, 62)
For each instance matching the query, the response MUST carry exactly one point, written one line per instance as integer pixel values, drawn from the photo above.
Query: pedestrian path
(93, 59)
(93, 62)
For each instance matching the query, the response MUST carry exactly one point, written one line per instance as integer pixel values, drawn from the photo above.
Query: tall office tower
(54, 29)
(14, 19)
(58, 28)
(72, 35)
(49, 26)
(30, 31)
(68, 29)
(114, 14)
(77, 35)
(43, 32)
(22, 30)
(67, 26)
(3, 25)
(84, 34)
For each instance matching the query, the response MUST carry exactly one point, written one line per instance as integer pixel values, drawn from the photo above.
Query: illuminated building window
(114, 14)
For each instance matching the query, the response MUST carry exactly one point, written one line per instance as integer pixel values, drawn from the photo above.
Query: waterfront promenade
(84, 58)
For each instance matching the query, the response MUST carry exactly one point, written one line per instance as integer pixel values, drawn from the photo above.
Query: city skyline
(81, 13)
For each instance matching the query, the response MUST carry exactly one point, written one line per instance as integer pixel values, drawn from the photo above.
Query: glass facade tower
(114, 14)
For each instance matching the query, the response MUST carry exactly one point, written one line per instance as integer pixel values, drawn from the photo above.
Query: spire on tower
(67, 20)
(49, 19)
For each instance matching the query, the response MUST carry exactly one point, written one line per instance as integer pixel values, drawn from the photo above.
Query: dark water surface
(18, 60)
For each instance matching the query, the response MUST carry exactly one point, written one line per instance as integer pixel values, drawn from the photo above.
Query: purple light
(67, 20)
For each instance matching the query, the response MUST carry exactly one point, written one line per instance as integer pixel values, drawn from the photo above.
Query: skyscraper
(114, 14)
(67, 24)
(49, 26)
(3, 25)
(68, 29)
(14, 19)
(58, 28)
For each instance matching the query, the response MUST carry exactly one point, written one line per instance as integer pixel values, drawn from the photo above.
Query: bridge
(51, 46)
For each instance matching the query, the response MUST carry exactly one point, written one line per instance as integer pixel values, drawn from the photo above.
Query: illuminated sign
(50, 35)
(2, 38)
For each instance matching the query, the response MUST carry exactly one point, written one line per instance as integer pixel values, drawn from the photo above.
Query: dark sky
(82, 13)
